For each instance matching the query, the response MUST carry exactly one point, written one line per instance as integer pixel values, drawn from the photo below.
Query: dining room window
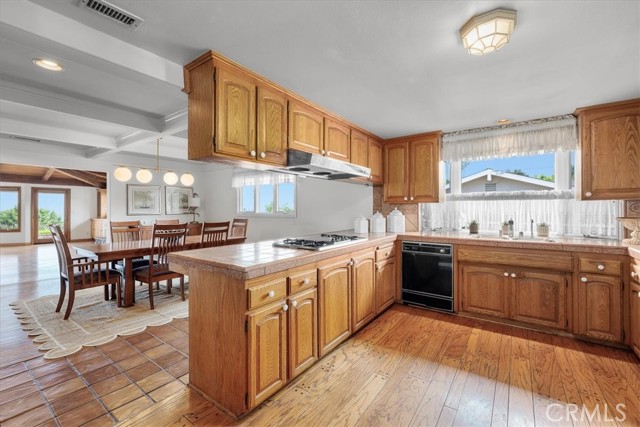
(267, 194)
(10, 209)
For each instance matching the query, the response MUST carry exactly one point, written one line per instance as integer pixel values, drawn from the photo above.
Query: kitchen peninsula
(260, 315)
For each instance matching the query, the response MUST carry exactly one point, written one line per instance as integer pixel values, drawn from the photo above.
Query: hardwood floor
(409, 367)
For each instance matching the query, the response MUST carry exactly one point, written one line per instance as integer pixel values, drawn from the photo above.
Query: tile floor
(98, 386)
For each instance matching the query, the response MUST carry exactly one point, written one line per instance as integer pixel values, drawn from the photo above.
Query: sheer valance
(515, 139)
(245, 177)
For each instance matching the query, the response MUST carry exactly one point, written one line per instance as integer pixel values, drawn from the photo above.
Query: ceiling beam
(84, 177)
(29, 179)
(48, 174)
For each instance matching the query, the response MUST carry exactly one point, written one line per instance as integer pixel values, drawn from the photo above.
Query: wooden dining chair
(126, 231)
(239, 227)
(167, 221)
(80, 273)
(214, 234)
(166, 239)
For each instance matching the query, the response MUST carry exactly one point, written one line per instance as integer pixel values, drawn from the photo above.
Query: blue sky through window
(542, 164)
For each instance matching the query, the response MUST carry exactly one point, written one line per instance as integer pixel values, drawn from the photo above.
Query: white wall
(322, 206)
(84, 204)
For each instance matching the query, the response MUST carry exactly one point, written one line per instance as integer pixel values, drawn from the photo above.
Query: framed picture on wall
(176, 200)
(143, 199)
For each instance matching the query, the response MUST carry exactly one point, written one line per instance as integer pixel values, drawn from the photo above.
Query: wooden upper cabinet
(306, 128)
(411, 169)
(337, 140)
(272, 126)
(236, 96)
(610, 149)
(396, 170)
(359, 148)
(374, 159)
(424, 158)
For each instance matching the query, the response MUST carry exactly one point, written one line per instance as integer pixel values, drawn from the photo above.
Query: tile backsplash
(410, 211)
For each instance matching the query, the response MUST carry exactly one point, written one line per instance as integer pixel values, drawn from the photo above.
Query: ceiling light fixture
(47, 64)
(503, 121)
(488, 32)
(123, 174)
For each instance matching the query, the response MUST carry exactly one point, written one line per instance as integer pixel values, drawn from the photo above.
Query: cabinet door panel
(272, 127)
(236, 115)
(424, 157)
(359, 148)
(396, 170)
(363, 290)
(375, 160)
(635, 318)
(484, 290)
(303, 337)
(306, 128)
(385, 284)
(267, 337)
(540, 298)
(334, 283)
(337, 140)
(599, 307)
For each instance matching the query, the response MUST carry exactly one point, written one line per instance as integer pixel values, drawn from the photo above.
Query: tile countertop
(250, 260)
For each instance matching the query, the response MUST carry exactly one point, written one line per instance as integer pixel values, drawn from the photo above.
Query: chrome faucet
(511, 228)
(532, 228)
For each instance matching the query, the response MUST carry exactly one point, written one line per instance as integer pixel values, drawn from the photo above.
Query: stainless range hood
(317, 166)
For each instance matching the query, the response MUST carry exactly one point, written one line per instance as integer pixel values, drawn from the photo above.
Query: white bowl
(632, 224)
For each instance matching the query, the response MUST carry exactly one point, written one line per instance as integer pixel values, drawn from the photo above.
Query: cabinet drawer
(595, 265)
(384, 253)
(303, 280)
(548, 260)
(267, 293)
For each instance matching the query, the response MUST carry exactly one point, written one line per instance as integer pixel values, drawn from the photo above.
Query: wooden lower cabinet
(484, 290)
(528, 296)
(334, 304)
(540, 298)
(634, 307)
(599, 307)
(385, 284)
(267, 342)
(363, 289)
(303, 331)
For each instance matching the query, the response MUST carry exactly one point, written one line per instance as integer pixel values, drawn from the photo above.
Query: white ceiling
(392, 67)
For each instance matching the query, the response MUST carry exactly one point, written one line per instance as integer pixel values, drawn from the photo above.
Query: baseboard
(8, 245)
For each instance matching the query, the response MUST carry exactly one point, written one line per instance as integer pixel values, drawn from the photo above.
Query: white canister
(378, 223)
(361, 225)
(395, 222)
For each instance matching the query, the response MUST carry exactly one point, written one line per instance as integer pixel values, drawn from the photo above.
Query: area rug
(93, 320)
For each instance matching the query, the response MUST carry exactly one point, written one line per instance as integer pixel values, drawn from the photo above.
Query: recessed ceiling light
(47, 64)
(503, 121)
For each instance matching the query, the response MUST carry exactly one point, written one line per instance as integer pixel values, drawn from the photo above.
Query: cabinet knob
(506, 274)
(294, 303)
(588, 194)
(600, 267)
(442, 251)
(386, 254)
(323, 152)
(405, 198)
(634, 274)
(411, 198)
(583, 279)
(513, 274)
(263, 155)
(271, 294)
(285, 307)
(252, 152)
(306, 281)
(350, 263)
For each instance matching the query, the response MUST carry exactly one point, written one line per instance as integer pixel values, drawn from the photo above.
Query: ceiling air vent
(112, 12)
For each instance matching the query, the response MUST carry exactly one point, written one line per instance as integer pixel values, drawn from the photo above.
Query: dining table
(128, 251)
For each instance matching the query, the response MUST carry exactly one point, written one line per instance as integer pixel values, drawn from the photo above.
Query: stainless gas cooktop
(319, 242)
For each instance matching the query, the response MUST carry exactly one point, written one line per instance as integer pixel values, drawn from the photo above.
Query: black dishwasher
(427, 275)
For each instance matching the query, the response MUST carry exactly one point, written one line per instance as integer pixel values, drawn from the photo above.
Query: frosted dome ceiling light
(144, 176)
(170, 178)
(488, 32)
(122, 174)
(187, 179)
(47, 64)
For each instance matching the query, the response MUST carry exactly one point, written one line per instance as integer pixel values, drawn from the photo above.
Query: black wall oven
(427, 275)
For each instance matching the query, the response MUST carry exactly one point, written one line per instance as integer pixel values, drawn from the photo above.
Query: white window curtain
(515, 139)
(565, 215)
(244, 177)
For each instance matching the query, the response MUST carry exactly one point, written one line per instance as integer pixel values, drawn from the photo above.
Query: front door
(49, 206)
